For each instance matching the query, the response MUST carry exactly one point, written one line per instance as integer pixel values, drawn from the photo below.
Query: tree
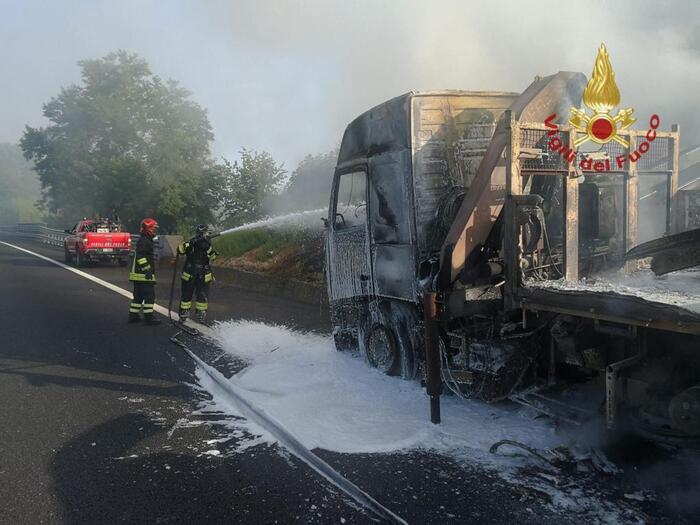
(309, 186)
(126, 140)
(19, 187)
(247, 185)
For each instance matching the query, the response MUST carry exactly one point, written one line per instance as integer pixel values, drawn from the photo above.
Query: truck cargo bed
(670, 303)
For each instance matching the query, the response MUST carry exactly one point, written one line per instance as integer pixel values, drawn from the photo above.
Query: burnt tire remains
(382, 350)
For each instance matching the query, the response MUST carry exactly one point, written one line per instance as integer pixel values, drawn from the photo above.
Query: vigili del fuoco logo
(600, 96)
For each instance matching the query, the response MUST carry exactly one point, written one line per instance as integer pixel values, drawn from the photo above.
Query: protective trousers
(144, 295)
(189, 288)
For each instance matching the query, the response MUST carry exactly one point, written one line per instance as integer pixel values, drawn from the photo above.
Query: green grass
(269, 241)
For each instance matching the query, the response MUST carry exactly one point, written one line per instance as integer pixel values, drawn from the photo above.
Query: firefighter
(143, 275)
(196, 274)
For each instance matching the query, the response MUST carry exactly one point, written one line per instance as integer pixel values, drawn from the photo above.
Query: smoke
(287, 77)
(377, 50)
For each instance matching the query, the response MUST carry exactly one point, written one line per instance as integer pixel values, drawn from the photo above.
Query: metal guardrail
(37, 232)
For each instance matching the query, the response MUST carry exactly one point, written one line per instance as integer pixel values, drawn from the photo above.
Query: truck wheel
(349, 323)
(79, 259)
(67, 257)
(122, 262)
(382, 350)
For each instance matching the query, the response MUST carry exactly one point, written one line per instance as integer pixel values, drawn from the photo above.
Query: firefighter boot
(150, 319)
(184, 314)
(202, 316)
(134, 318)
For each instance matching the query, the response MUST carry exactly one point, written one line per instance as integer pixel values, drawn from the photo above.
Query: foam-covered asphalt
(97, 424)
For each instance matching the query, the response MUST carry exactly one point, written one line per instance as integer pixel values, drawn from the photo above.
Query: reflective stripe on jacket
(143, 262)
(199, 253)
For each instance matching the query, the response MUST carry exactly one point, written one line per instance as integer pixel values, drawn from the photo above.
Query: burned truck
(468, 245)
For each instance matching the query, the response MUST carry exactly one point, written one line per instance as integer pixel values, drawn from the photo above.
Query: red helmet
(149, 226)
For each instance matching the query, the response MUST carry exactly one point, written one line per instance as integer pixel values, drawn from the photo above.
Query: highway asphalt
(98, 425)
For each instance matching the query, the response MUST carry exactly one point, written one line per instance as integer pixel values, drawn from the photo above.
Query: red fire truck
(97, 240)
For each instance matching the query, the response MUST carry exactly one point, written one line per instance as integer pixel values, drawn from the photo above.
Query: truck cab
(402, 170)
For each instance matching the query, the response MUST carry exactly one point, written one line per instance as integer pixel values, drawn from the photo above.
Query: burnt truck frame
(450, 214)
(374, 266)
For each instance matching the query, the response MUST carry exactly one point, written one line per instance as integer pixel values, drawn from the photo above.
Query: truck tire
(122, 262)
(79, 259)
(67, 257)
(405, 317)
(388, 338)
(382, 350)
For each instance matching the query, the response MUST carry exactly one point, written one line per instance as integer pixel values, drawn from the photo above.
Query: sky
(287, 76)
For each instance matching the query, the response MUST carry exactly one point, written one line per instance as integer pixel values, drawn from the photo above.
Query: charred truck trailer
(453, 215)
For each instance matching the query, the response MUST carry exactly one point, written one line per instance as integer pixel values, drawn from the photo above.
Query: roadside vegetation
(124, 141)
(264, 240)
(19, 187)
(296, 254)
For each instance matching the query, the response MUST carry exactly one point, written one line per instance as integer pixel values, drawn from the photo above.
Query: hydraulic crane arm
(484, 200)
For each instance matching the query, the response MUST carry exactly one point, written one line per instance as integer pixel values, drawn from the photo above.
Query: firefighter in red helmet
(143, 275)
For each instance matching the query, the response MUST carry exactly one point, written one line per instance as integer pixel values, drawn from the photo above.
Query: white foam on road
(335, 401)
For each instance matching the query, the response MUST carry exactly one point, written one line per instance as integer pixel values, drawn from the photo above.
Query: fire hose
(290, 442)
(172, 289)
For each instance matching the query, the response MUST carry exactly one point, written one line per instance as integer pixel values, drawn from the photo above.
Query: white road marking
(291, 443)
(113, 287)
(251, 411)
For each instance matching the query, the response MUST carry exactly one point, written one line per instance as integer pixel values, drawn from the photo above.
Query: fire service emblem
(601, 96)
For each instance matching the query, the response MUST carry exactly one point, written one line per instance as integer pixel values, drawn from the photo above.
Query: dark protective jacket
(143, 265)
(199, 253)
